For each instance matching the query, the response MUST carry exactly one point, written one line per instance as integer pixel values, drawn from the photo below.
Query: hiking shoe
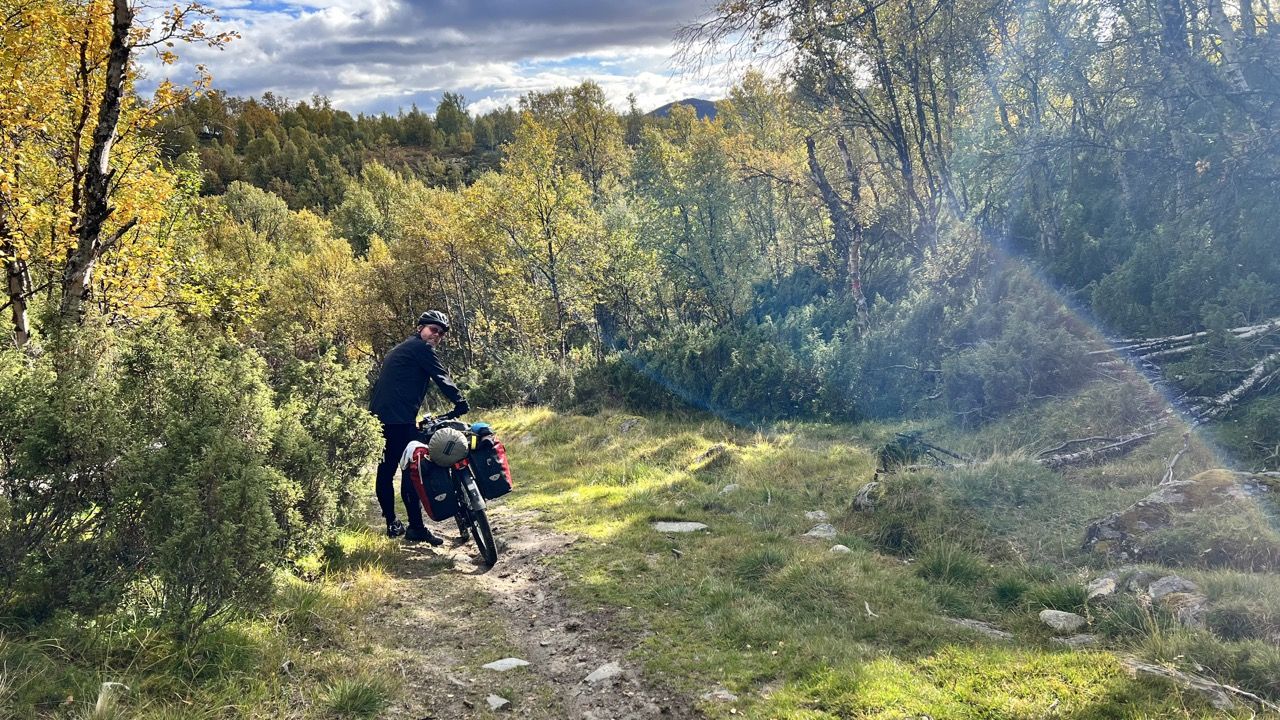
(395, 529)
(420, 534)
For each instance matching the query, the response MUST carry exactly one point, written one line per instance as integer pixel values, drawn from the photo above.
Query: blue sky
(384, 55)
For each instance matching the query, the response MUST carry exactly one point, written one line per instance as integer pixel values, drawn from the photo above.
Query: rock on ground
(867, 496)
(506, 664)
(720, 695)
(731, 487)
(1075, 642)
(1120, 534)
(824, 531)
(1102, 587)
(979, 626)
(497, 702)
(1063, 622)
(677, 527)
(816, 516)
(838, 549)
(1171, 584)
(607, 671)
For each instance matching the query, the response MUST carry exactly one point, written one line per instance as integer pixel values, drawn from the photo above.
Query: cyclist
(397, 394)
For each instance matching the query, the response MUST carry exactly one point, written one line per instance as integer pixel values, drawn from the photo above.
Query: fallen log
(1121, 446)
(1258, 377)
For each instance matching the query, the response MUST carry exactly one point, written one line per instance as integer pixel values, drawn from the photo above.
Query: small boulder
(1120, 534)
(1171, 584)
(628, 425)
(731, 487)
(816, 516)
(505, 664)
(1061, 622)
(867, 496)
(840, 549)
(1102, 587)
(497, 702)
(1075, 642)
(677, 527)
(607, 671)
(720, 695)
(822, 531)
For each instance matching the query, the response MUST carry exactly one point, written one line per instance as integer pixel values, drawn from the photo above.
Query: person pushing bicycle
(406, 373)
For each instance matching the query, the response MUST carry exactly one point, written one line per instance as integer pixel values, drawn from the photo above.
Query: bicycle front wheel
(484, 537)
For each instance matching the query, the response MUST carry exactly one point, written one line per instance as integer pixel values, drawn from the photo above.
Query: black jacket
(402, 384)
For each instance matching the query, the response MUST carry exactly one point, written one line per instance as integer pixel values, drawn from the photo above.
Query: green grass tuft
(357, 697)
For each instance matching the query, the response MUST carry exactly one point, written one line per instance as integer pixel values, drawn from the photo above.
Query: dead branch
(1121, 446)
(1168, 473)
(1073, 443)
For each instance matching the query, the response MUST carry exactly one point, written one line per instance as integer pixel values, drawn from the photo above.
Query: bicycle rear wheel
(484, 537)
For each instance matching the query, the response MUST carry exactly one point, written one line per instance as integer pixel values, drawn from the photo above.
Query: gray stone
(816, 516)
(497, 703)
(605, 672)
(677, 527)
(1140, 581)
(1063, 622)
(720, 695)
(840, 549)
(731, 487)
(1102, 587)
(628, 425)
(824, 531)
(1189, 608)
(1171, 584)
(506, 664)
(1075, 642)
(867, 495)
(984, 628)
(1120, 534)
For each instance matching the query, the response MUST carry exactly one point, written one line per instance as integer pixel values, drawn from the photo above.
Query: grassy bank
(750, 605)
(798, 631)
(306, 656)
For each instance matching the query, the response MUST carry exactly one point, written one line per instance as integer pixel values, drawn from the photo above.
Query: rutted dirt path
(447, 616)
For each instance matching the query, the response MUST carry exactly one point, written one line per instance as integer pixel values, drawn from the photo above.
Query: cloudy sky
(383, 55)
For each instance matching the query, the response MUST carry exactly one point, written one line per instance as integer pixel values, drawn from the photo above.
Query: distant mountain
(706, 109)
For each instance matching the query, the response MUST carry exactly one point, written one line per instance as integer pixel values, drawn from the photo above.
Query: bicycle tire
(484, 537)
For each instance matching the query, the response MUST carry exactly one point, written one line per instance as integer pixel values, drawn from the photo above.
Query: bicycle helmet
(447, 446)
(434, 317)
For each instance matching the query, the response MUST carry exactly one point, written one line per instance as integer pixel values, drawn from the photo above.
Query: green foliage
(359, 697)
(950, 562)
(521, 379)
(201, 489)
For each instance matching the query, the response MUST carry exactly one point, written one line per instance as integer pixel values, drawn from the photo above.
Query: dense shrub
(523, 379)
(170, 466)
(62, 434)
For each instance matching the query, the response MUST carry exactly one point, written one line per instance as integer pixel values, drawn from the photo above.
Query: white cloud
(381, 55)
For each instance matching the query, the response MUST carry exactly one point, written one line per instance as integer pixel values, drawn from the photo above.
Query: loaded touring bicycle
(455, 468)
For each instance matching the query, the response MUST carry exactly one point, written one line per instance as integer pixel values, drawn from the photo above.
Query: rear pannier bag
(493, 473)
(432, 483)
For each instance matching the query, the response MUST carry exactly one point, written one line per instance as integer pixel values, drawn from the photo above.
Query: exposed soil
(449, 615)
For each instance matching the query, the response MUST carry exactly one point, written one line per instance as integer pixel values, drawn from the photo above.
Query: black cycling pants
(397, 437)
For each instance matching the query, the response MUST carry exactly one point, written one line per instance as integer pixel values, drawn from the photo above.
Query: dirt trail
(448, 616)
